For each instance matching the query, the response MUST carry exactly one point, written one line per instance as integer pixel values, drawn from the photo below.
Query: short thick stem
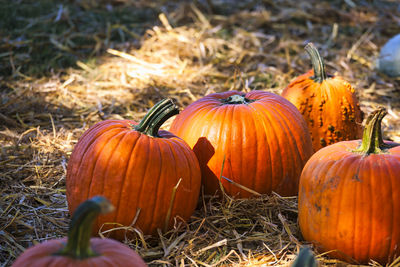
(372, 141)
(80, 229)
(317, 63)
(237, 99)
(156, 116)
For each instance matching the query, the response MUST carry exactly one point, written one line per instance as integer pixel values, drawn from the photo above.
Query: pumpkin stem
(372, 141)
(156, 116)
(237, 99)
(317, 63)
(80, 228)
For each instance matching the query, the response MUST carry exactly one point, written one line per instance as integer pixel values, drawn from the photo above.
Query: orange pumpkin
(328, 104)
(79, 249)
(258, 140)
(151, 176)
(349, 197)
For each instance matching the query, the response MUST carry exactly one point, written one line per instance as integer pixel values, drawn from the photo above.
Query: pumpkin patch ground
(67, 65)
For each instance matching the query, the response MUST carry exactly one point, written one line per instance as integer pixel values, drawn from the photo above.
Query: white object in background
(389, 58)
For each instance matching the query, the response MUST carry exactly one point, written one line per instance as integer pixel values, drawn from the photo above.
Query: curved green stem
(317, 63)
(372, 141)
(237, 99)
(80, 228)
(156, 116)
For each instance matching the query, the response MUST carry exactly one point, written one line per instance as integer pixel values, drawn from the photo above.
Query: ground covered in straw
(67, 65)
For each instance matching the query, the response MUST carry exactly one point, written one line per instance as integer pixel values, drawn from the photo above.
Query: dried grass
(191, 51)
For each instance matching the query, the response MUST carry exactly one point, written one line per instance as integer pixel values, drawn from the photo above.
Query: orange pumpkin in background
(258, 140)
(328, 103)
(151, 176)
(79, 250)
(349, 197)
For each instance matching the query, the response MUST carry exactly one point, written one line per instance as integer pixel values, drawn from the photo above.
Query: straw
(66, 65)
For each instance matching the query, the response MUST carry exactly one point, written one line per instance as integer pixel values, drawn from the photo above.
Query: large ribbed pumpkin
(258, 139)
(150, 176)
(328, 104)
(79, 249)
(349, 197)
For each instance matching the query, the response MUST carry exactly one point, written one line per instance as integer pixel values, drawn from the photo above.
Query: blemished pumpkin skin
(349, 197)
(79, 250)
(137, 167)
(259, 138)
(328, 103)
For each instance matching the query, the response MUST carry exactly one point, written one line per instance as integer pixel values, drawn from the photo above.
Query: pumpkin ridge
(72, 165)
(271, 116)
(175, 159)
(156, 207)
(186, 184)
(133, 145)
(145, 173)
(312, 188)
(393, 176)
(257, 145)
(229, 152)
(260, 117)
(287, 126)
(390, 181)
(182, 185)
(120, 135)
(227, 171)
(368, 180)
(357, 192)
(349, 183)
(92, 182)
(327, 162)
(85, 191)
(373, 212)
(241, 137)
(283, 125)
(340, 203)
(355, 209)
(274, 112)
(291, 145)
(370, 211)
(121, 214)
(236, 146)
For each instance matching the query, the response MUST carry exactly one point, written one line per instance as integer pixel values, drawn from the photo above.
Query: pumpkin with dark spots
(328, 104)
(258, 140)
(349, 197)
